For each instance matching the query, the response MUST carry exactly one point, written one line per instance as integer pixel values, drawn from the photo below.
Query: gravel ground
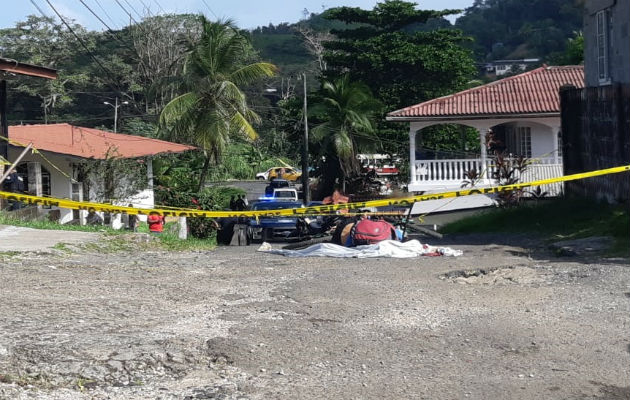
(503, 321)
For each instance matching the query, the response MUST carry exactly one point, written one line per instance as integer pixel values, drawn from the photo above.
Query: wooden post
(4, 125)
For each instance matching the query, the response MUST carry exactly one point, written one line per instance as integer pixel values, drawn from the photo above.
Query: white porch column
(412, 154)
(150, 172)
(35, 178)
(482, 149)
(555, 130)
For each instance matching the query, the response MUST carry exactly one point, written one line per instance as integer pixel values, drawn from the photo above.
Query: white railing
(455, 172)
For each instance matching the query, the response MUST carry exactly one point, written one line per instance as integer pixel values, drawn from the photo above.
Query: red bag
(368, 231)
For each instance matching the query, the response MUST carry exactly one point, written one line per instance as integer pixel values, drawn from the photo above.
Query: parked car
(271, 228)
(285, 194)
(290, 174)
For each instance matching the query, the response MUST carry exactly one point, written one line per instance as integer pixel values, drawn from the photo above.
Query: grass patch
(45, 224)
(558, 219)
(117, 240)
(169, 240)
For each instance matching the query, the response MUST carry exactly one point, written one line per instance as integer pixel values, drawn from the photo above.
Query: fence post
(183, 228)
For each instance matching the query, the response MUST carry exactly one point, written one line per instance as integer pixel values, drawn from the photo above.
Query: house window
(603, 38)
(524, 141)
(560, 144)
(518, 141)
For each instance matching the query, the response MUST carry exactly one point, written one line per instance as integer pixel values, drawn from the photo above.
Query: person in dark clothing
(232, 203)
(13, 183)
(240, 204)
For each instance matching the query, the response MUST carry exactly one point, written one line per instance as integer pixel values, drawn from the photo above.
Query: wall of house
(618, 46)
(544, 142)
(60, 185)
(596, 135)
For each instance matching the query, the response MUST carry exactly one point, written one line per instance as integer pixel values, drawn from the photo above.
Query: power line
(127, 12)
(83, 45)
(134, 10)
(39, 9)
(110, 30)
(159, 5)
(105, 12)
(215, 16)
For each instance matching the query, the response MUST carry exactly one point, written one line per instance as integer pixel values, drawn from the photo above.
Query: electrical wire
(215, 16)
(110, 31)
(105, 12)
(159, 5)
(134, 10)
(82, 43)
(126, 12)
(39, 9)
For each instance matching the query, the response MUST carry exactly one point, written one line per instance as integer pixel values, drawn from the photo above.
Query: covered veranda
(519, 115)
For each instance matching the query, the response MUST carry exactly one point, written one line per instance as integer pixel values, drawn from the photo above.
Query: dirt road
(236, 324)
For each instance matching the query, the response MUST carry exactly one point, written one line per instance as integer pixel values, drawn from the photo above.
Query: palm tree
(347, 110)
(215, 108)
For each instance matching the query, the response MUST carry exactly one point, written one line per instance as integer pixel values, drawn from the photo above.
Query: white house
(502, 67)
(523, 114)
(55, 168)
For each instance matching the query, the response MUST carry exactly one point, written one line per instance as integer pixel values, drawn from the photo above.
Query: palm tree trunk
(204, 173)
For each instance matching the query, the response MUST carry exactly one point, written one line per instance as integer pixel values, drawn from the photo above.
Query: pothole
(495, 276)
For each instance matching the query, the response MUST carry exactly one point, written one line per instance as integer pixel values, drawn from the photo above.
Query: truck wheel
(267, 235)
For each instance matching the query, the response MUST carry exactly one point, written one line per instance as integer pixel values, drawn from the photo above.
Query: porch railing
(455, 172)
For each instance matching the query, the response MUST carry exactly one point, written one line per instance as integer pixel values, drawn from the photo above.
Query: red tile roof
(532, 92)
(90, 143)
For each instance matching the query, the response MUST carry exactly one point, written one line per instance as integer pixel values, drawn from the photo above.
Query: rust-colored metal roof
(90, 143)
(532, 92)
(15, 67)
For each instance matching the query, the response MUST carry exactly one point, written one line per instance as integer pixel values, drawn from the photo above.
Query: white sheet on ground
(386, 248)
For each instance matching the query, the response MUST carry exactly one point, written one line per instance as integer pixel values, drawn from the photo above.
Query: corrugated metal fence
(596, 135)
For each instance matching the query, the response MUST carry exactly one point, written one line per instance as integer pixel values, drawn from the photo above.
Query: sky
(246, 13)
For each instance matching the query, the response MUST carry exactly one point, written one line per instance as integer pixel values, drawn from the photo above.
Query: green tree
(400, 66)
(393, 51)
(520, 29)
(214, 107)
(345, 111)
(43, 41)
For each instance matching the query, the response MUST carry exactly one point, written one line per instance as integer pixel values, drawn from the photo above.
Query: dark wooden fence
(596, 135)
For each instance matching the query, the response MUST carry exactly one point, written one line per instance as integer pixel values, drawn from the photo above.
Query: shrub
(210, 199)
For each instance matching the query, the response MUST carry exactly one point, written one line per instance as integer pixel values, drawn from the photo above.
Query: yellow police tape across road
(315, 210)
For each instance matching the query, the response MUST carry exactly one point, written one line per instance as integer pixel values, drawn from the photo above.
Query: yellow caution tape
(314, 210)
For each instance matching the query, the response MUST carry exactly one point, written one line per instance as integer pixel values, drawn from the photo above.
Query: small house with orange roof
(57, 167)
(520, 114)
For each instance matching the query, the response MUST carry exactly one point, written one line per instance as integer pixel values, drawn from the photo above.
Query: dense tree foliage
(400, 66)
(515, 29)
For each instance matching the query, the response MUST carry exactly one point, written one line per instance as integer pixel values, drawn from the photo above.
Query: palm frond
(241, 124)
(253, 72)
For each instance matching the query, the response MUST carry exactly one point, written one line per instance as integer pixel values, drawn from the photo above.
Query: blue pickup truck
(273, 228)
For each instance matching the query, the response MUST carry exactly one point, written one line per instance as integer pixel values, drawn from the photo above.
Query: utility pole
(4, 126)
(305, 188)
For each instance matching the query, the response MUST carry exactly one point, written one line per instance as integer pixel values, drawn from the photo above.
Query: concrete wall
(619, 43)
